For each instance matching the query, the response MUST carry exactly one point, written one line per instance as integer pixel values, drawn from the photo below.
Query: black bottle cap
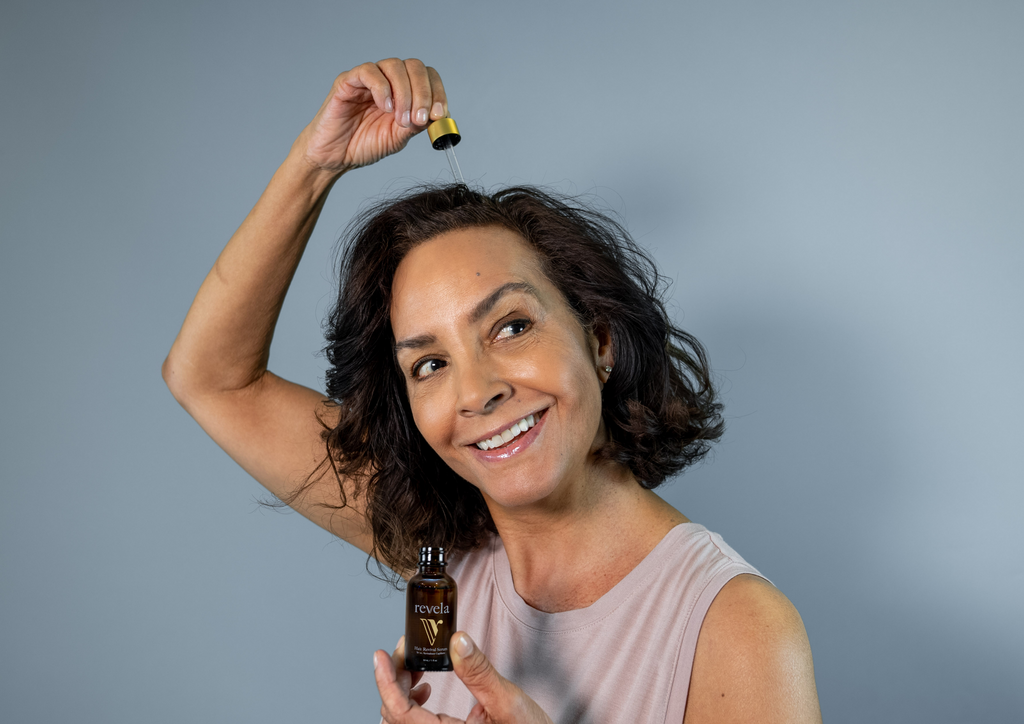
(432, 556)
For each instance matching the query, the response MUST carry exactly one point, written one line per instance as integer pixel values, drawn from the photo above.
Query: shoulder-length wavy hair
(659, 408)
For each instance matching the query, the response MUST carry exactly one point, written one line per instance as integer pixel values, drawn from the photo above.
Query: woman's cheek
(433, 417)
(425, 417)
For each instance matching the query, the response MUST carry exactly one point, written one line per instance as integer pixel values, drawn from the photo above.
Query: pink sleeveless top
(625, 658)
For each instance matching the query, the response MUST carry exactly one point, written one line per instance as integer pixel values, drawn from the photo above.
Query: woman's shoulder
(752, 656)
(698, 556)
(743, 649)
(748, 613)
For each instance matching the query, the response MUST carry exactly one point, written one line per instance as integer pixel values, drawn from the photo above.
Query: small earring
(607, 369)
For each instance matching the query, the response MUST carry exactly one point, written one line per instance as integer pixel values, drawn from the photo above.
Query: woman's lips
(514, 446)
(504, 437)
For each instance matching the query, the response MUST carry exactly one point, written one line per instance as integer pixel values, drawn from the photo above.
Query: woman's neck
(566, 554)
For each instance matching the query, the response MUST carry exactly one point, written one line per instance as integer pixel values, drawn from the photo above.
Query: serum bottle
(431, 599)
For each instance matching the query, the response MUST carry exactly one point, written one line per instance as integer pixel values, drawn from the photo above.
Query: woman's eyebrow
(424, 340)
(481, 310)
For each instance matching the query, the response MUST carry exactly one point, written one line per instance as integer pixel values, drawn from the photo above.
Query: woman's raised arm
(217, 366)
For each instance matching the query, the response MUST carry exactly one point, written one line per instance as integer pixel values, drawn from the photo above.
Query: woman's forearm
(224, 343)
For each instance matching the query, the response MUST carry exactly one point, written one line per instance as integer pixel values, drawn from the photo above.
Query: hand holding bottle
(500, 701)
(371, 112)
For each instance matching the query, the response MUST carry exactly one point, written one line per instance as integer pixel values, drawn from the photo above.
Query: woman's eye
(428, 367)
(513, 328)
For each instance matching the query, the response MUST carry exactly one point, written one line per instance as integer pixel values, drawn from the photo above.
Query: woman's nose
(480, 390)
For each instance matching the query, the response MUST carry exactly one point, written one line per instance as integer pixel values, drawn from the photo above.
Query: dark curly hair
(659, 408)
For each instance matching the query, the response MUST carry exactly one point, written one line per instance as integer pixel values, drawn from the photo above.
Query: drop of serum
(431, 598)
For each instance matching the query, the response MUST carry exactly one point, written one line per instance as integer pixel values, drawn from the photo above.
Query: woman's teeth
(503, 437)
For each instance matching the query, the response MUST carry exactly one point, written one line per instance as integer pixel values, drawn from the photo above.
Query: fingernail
(464, 645)
(438, 110)
(374, 660)
(389, 105)
(405, 119)
(421, 117)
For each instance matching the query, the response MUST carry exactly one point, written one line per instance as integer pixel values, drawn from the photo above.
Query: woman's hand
(500, 701)
(372, 111)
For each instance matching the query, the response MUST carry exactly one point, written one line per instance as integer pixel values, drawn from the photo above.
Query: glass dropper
(444, 136)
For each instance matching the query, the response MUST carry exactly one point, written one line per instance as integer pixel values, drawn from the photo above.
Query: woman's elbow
(177, 382)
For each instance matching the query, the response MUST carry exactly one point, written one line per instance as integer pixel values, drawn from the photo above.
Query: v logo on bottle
(430, 626)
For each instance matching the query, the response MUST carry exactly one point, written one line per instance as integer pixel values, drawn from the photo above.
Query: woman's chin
(519, 495)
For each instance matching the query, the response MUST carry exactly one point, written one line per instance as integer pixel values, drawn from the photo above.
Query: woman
(523, 341)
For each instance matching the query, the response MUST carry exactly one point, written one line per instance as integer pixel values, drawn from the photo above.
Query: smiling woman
(501, 307)
(504, 383)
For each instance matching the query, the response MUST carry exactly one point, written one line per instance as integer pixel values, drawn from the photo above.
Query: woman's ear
(603, 350)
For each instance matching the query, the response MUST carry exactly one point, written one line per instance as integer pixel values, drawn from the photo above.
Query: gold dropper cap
(441, 128)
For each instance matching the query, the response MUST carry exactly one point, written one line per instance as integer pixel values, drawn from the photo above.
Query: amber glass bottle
(430, 614)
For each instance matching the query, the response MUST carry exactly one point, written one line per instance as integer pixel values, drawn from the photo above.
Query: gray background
(834, 187)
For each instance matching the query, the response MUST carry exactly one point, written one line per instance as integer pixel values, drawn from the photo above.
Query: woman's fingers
(489, 687)
(419, 83)
(408, 88)
(398, 655)
(413, 90)
(500, 701)
(371, 112)
(398, 659)
(401, 700)
(398, 81)
(395, 703)
(439, 107)
(369, 76)
(420, 694)
(477, 715)
(397, 73)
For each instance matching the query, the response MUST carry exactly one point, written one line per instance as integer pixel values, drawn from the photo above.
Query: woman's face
(485, 341)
